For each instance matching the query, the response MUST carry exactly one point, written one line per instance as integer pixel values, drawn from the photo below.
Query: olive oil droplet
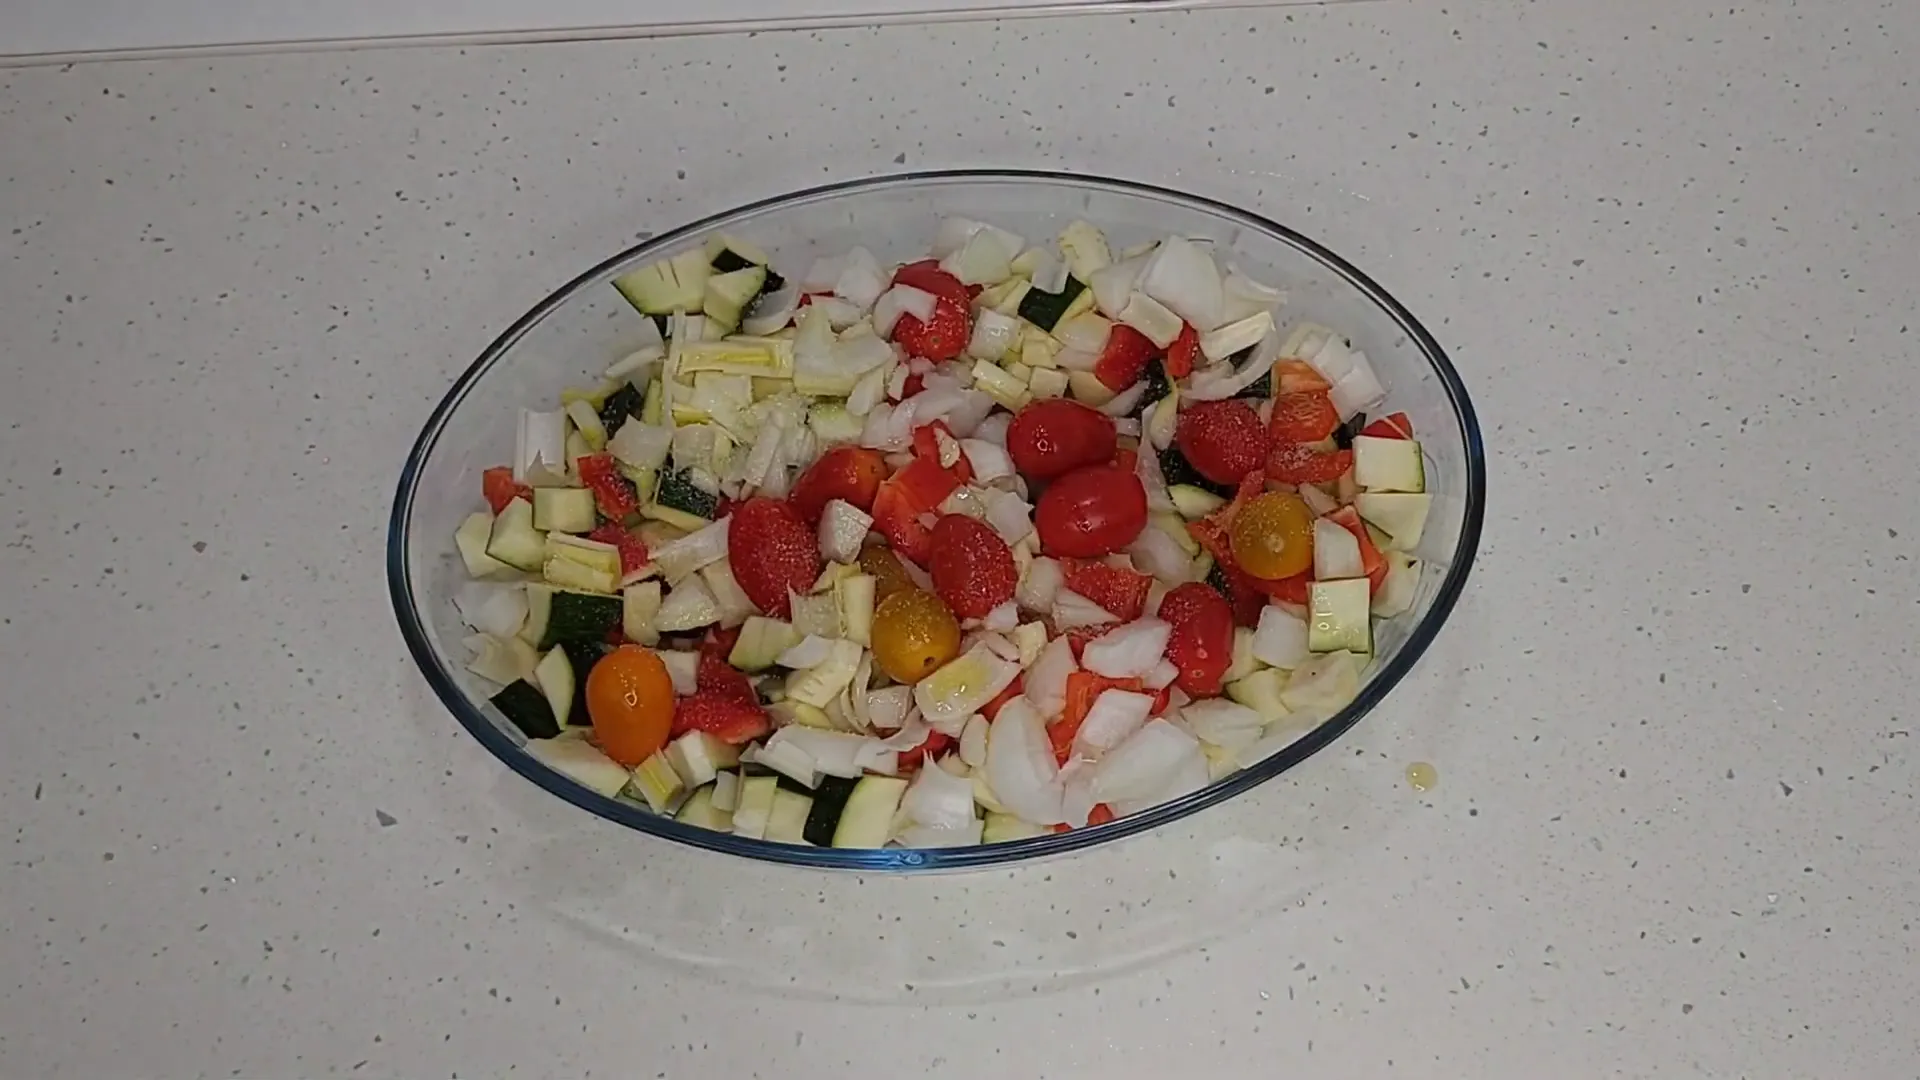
(1422, 776)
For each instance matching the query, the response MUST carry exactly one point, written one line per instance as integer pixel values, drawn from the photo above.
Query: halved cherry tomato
(630, 701)
(1305, 417)
(1201, 645)
(1183, 355)
(773, 553)
(1392, 426)
(1124, 358)
(972, 568)
(1053, 437)
(927, 276)
(1090, 512)
(1123, 593)
(940, 338)
(500, 488)
(849, 473)
(1295, 463)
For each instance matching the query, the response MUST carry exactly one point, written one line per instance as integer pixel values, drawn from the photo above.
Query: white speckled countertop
(1671, 246)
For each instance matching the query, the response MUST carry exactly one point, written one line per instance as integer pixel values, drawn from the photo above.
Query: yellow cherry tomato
(1272, 536)
(914, 633)
(889, 576)
(630, 700)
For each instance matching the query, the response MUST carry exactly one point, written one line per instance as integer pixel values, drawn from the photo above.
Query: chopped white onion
(973, 741)
(861, 279)
(1049, 274)
(835, 753)
(643, 446)
(994, 642)
(1336, 552)
(701, 548)
(1114, 283)
(1244, 296)
(989, 461)
(1043, 580)
(1190, 774)
(1358, 389)
(634, 366)
(1085, 332)
(492, 608)
(809, 651)
(1163, 675)
(1020, 767)
(541, 456)
(1281, 639)
(962, 687)
(1071, 610)
(993, 334)
(1223, 723)
(822, 274)
(1182, 275)
(1006, 616)
(683, 670)
(983, 260)
(954, 232)
(1152, 318)
(901, 300)
(1077, 799)
(1115, 715)
(1124, 402)
(1045, 684)
(1222, 380)
(869, 391)
(1129, 651)
(1222, 343)
(888, 709)
(994, 428)
(772, 311)
(937, 799)
(1146, 762)
(1159, 554)
(1076, 360)
(1010, 515)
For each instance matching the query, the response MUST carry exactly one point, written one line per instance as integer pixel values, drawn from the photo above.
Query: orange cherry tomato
(1272, 536)
(630, 700)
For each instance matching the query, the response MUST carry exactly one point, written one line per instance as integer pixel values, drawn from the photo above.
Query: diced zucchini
(799, 712)
(555, 676)
(1338, 616)
(1047, 383)
(1193, 502)
(1388, 464)
(1401, 515)
(727, 253)
(584, 552)
(580, 761)
(688, 607)
(584, 412)
(756, 357)
(471, 538)
(750, 818)
(569, 574)
(679, 492)
(817, 615)
(564, 509)
(833, 424)
(1085, 248)
(653, 407)
(854, 596)
(698, 757)
(514, 540)
(699, 810)
(728, 294)
(572, 616)
(639, 603)
(866, 821)
(526, 708)
(994, 382)
(581, 657)
(761, 641)
(676, 284)
(679, 519)
(787, 821)
(1087, 387)
(726, 792)
(657, 783)
(1045, 309)
(1000, 828)
(823, 816)
(1261, 692)
(501, 660)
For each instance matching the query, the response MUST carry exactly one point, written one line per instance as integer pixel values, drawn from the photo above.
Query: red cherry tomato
(927, 276)
(849, 473)
(1051, 438)
(1223, 439)
(1090, 512)
(972, 568)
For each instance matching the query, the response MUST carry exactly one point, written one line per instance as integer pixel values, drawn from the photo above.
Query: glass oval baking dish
(575, 332)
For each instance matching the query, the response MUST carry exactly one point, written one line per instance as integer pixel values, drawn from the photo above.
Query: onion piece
(1152, 318)
(897, 301)
(984, 260)
(1071, 610)
(1129, 651)
(888, 709)
(678, 558)
(1182, 275)
(1336, 552)
(835, 753)
(1042, 582)
(1163, 675)
(841, 313)
(1222, 381)
(492, 608)
(1159, 554)
(1020, 766)
(868, 391)
(993, 334)
(1115, 715)
(1045, 684)
(1114, 283)
(1242, 296)
(954, 232)
(1085, 332)
(963, 686)
(683, 670)
(1358, 389)
(809, 651)
(994, 428)
(1146, 762)
(1077, 799)
(1190, 775)
(1223, 723)
(1049, 274)
(1006, 616)
(861, 279)
(1281, 639)
(1123, 403)
(1223, 342)
(973, 742)
(937, 799)
(772, 311)
(822, 273)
